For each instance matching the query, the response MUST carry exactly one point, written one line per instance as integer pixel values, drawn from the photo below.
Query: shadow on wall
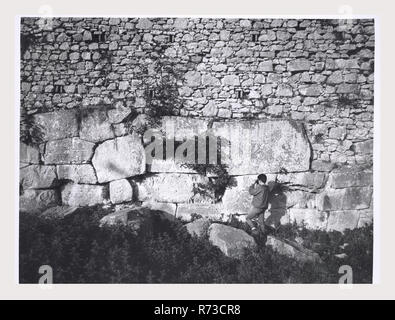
(277, 203)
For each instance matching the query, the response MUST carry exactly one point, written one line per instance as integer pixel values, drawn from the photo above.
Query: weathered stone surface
(121, 191)
(193, 78)
(165, 187)
(28, 154)
(300, 199)
(231, 241)
(365, 147)
(82, 173)
(284, 90)
(299, 65)
(83, 194)
(37, 177)
(231, 80)
(59, 212)
(342, 220)
(95, 126)
(365, 218)
(198, 227)
(344, 199)
(144, 23)
(263, 146)
(67, 151)
(119, 158)
(351, 179)
(324, 166)
(119, 113)
(57, 125)
(180, 128)
(266, 66)
(311, 218)
(292, 250)
(187, 211)
(35, 201)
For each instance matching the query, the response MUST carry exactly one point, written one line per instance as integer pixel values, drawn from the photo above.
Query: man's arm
(253, 190)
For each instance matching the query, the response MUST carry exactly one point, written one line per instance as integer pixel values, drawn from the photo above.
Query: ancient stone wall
(307, 84)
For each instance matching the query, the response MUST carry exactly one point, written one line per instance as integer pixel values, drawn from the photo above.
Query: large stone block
(119, 158)
(254, 147)
(57, 125)
(309, 180)
(231, 241)
(165, 187)
(68, 151)
(187, 211)
(83, 194)
(311, 218)
(36, 201)
(342, 220)
(198, 227)
(121, 191)
(299, 65)
(351, 179)
(95, 126)
(28, 154)
(37, 177)
(82, 173)
(344, 199)
(176, 129)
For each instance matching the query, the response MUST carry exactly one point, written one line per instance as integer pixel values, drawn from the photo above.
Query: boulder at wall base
(198, 227)
(35, 201)
(186, 211)
(139, 219)
(83, 194)
(253, 147)
(119, 158)
(292, 250)
(231, 241)
(58, 212)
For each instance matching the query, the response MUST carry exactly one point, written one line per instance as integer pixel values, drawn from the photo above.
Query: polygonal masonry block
(119, 158)
(254, 147)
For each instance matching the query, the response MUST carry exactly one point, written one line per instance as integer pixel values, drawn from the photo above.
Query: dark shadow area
(277, 203)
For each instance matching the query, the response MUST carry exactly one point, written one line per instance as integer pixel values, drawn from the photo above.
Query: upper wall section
(319, 72)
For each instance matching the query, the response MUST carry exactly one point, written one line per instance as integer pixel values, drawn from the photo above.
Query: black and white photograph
(196, 149)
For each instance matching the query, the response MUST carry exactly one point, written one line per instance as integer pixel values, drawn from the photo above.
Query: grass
(79, 251)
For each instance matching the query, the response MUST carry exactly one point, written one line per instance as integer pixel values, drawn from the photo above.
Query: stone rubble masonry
(306, 84)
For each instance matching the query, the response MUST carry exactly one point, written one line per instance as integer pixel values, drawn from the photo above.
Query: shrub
(79, 251)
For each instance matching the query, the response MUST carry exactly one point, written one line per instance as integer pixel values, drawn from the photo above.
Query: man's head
(262, 178)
